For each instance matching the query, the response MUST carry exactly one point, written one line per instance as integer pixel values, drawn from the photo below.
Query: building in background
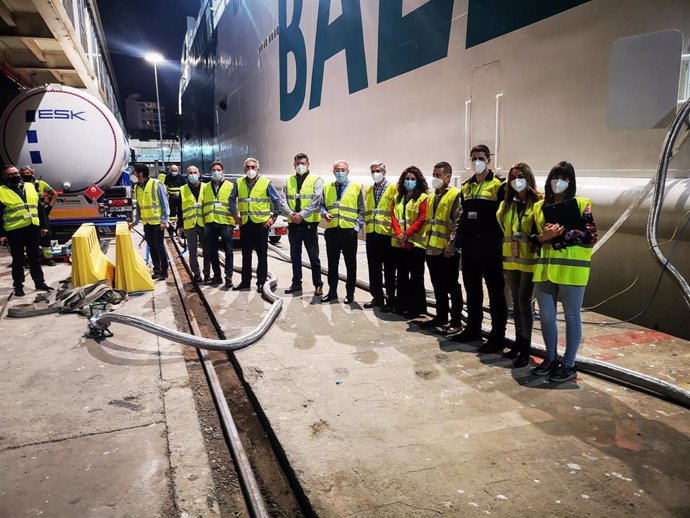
(142, 117)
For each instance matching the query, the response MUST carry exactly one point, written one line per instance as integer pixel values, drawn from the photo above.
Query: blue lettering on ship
(405, 44)
(60, 114)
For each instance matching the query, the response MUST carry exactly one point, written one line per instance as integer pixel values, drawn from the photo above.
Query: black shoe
(196, 279)
(242, 286)
(228, 282)
(467, 336)
(522, 360)
(259, 288)
(44, 287)
(330, 297)
(349, 299)
(511, 354)
(50, 262)
(451, 330)
(434, 322)
(216, 281)
(293, 289)
(563, 373)
(373, 303)
(19, 292)
(545, 368)
(318, 291)
(493, 345)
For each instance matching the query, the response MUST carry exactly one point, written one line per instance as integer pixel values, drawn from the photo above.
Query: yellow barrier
(89, 263)
(131, 273)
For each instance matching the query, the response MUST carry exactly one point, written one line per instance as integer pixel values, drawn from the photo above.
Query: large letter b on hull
(291, 41)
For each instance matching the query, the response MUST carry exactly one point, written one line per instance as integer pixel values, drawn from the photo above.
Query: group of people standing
(491, 229)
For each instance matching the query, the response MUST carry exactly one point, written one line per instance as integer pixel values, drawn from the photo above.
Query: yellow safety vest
(148, 203)
(486, 190)
(517, 228)
(192, 216)
(439, 224)
(406, 214)
(42, 188)
(19, 213)
(257, 207)
(378, 217)
(345, 211)
(569, 265)
(216, 209)
(305, 195)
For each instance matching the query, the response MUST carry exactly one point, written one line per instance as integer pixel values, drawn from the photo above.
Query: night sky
(134, 27)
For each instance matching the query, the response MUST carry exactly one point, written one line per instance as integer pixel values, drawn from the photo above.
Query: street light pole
(155, 58)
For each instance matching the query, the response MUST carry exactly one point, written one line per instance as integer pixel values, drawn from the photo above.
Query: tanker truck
(75, 144)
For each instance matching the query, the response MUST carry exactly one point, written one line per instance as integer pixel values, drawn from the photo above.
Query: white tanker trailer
(74, 143)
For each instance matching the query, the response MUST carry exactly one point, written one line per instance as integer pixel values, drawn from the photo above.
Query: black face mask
(27, 178)
(13, 180)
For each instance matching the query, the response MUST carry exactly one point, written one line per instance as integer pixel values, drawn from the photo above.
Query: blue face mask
(410, 184)
(217, 175)
(193, 178)
(340, 176)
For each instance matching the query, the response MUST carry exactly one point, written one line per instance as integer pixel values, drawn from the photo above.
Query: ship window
(684, 90)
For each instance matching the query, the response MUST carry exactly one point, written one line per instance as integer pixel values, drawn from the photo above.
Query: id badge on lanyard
(515, 245)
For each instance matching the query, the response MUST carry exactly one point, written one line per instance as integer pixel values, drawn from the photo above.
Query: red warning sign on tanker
(94, 192)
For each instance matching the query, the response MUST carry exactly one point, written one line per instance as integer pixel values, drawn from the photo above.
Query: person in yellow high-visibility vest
(301, 202)
(442, 258)
(343, 210)
(377, 218)
(44, 190)
(22, 222)
(562, 269)
(516, 217)
(220, 212)
(152, 211)
(408, 217)
(259, 206)
(190, 223)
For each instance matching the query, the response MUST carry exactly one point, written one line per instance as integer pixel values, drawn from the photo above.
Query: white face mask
(559, 186)
(377, 177)
(300, 169)
(479, 166)
(251, 173)
(437, 183)
(519, 184)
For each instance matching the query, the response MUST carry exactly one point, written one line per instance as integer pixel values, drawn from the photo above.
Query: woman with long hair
(408, 215)
(566, 236)
(516, 218)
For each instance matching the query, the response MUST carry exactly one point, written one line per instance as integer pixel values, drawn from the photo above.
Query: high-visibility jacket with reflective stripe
(569, 265)
(192, 216)
(406, 214)
(254, 204)
(42, 187)
(345, 211)
(480, 202)
(439, 224)
(306, 196)
(19, 213)
(517, 227)
(216, 209)
(148, 203)
(377, 217)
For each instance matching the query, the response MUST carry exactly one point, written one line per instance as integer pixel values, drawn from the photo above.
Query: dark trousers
(341, 240)
(410, 292)
(154, 238)
(381, 266)
(444, 272)
(306, 233)
(253, 236)
(483, 259)
(28, 239)
(214, 232)
(521, 287)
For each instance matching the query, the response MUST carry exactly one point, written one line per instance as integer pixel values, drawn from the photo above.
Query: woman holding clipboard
(566, 232)
(516, 218)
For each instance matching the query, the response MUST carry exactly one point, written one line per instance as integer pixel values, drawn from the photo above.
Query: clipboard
(566, 213)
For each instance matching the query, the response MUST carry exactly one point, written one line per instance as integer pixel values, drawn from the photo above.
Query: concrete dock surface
(377, 418)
